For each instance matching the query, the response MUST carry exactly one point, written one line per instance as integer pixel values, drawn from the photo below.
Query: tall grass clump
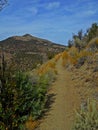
(87, 117)
(57, 57)
(73, 55)
(65, 58)
(73, 51)
(47, 68)
(93, 45)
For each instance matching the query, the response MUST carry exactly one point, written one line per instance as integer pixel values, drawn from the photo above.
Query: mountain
(27, 51)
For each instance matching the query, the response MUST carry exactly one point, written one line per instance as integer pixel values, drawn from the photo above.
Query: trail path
(61, 114)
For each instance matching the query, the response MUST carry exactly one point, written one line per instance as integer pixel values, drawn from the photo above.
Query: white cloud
(53, 5)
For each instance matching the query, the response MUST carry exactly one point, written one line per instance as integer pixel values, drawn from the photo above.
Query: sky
(54, 20)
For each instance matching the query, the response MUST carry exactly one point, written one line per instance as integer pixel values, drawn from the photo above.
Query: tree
(2, 4)
(78, 40)
(78, 43)
(92, 32)
(80, 34)
(70, 43)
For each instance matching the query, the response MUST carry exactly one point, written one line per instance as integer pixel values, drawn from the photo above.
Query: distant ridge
(30, 49)
(28, 37)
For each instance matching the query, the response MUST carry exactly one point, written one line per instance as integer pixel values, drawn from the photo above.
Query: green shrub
(19, 99)
(40, 97)
(15, 101)
(93, 45)
(87, 118)
(50, 55)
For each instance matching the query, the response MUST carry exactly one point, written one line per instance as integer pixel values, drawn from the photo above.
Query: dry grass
(73, 51)
(93, 41)
(84, 53)
(73, 55)
(57, 57)
(65, 55)
(65, 58)
(68, 58)
(31, 125)
(45, 68)
(93, 44)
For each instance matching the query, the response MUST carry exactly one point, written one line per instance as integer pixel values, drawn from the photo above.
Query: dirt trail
(61, 113)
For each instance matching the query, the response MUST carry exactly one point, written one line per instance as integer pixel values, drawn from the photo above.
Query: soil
(68, 93)
(60, 115)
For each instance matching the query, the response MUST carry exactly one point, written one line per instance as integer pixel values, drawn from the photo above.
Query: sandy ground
(66, 99)
(70, 90)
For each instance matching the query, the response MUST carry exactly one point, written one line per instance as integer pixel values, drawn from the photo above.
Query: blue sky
(55, 20)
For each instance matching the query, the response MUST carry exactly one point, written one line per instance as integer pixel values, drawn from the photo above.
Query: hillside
(60, 94)
(27, 51)
(76, 82)
(74, 94)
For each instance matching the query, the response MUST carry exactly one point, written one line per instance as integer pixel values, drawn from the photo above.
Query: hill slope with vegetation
(62, 93)
(26, 52)
(75, 100)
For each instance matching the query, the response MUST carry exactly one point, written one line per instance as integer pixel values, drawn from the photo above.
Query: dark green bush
(19, 99)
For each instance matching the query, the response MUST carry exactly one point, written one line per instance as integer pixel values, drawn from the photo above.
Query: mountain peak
(27, 35)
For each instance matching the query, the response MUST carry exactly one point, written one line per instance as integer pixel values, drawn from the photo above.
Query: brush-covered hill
(65, 88)
(27, 51)
(75, 90)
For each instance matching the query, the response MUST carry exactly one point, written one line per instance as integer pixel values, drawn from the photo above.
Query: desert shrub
(19, 99)
(39, 97)
(57, 57)
(70, 57)
(48, 66)
(51, 74)
(50, 55)
(93, 45)
(15, 101)
(87, 117)
(84, 53)
(73, 55)
(51, 64)
(73, 61)
(65, 55)
(82, 57)
(65, 58)
(21, 96)
(78, 43)
(92, 31)
(73, 51)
